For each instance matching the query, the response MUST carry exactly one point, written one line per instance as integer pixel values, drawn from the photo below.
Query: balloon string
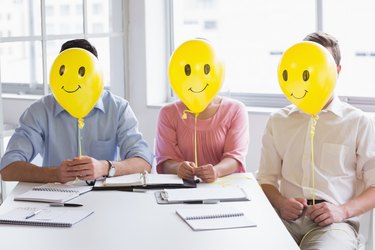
(195, 141)
(312, 133)
(79, 127)
(184, 116)
(81, 124)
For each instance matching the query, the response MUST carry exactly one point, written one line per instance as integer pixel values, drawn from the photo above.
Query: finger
(303, 201)
(191, 164)
(321, 218)
(315, 212)
(185, 170)
(297, 205)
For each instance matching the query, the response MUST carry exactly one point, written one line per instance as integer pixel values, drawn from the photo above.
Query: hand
(292, 208)
(65, 173)
(186, 170)
(88, 168)
(326, 213)
(207, 173)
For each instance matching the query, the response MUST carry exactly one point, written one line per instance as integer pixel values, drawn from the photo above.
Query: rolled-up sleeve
(270, 161)
(366, 152)
(131, 142)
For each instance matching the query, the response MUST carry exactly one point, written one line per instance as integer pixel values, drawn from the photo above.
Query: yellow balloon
(307, 75)
(195, 74)
(76, 81)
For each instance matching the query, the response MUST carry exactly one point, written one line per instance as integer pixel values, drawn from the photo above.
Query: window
(34, 31)
(251, 36)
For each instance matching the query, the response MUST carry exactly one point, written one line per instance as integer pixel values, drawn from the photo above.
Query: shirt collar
(334, 107)
(99, 105)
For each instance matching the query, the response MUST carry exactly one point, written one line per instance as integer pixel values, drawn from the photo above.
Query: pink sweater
(225, 135)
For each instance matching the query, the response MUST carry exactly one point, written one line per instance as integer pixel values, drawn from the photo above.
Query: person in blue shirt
(45, 128)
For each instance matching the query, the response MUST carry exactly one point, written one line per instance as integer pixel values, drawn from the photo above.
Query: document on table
(53, 192)
(171, 196)
(144, 181)
(213, 218)
(57, 217)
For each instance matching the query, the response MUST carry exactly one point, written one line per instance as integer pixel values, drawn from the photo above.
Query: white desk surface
(129, 220)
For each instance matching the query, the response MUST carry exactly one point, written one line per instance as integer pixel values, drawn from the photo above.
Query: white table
(130, 220)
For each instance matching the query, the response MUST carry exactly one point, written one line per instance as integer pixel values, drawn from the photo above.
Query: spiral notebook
(43, 217)
(53, 192)
(213, 218)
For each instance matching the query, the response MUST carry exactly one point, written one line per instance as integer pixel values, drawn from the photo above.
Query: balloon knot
(81, 123)
(184, 115)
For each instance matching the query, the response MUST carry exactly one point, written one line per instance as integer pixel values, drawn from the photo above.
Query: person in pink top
(222, 140)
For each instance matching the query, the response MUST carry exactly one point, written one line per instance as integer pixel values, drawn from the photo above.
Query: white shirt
(344, 153)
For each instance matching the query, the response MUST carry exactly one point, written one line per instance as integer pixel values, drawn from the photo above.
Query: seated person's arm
(85, 168)
(28, 172)
(184, 169)
(131, 166)
(288, 208)
(360, 204)
(326, 213)
(209, 173)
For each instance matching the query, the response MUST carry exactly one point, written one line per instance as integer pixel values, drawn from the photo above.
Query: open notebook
(214, 217)
(43, 216)
(144, 181)
(54, 192)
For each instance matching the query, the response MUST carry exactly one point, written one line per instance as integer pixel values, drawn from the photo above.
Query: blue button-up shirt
(46, 128)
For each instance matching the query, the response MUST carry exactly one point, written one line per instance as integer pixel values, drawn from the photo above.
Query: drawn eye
(81, 71)
(187, 70)
(207, 69)
(285, 75)
(306, 75)
(62, 70)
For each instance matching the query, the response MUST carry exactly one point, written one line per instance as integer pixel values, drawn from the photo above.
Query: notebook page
(155, 179)
(124, 180)
(46, 216)
(213, 218)
(193, 194)
(53, 192)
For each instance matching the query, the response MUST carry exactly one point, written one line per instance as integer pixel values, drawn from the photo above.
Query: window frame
(261, 100)
(24, 89)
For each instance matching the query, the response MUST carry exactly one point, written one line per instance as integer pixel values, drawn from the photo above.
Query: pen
(202, 202)
(65, 205)
(33, 214)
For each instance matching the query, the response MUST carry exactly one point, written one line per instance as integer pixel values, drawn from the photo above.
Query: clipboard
(201, 195)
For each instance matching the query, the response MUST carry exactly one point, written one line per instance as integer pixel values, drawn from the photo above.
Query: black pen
(65, 205)
(202, 202)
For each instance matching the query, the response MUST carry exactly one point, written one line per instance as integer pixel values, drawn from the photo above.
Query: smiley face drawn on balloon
(307, 75)
(76, 81)
(195, 74)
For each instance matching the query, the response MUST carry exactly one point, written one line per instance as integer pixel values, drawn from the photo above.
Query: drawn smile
(301, 96)
(198, 91)
(71, 91)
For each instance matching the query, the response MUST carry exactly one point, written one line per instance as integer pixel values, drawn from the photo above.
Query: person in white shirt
(344, 176)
